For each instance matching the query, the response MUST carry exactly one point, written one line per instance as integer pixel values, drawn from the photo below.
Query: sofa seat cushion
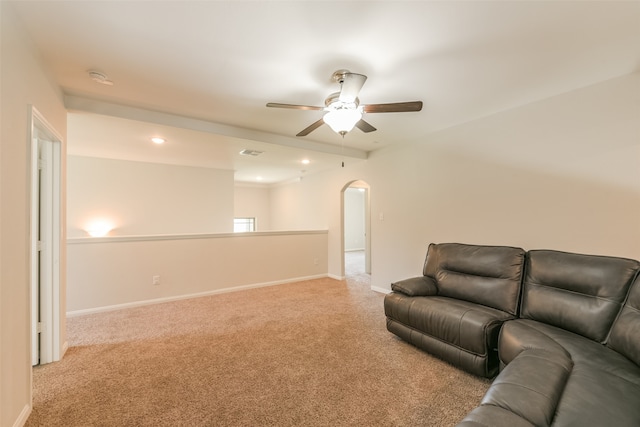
(598, 397)
(603, 387)
(466, 325)
(522, 334)
(462, 333)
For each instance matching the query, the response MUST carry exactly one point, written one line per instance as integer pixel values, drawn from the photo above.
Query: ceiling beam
(133, 113)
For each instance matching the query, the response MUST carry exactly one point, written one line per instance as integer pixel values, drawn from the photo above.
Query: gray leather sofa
(572, 355)
(456, 309)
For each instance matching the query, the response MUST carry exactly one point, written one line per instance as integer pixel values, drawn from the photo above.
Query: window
(241, 225)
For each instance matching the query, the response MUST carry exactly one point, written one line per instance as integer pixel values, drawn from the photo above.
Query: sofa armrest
(416, 287)
(494, 416)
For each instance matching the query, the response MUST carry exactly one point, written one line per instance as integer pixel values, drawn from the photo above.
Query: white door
(44, 275)
(45, 243)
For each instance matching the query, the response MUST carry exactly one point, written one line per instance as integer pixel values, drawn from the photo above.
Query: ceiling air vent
(247, 152)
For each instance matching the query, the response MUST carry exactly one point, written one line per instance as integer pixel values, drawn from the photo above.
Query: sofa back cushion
(579, 293)
(624, 335)
(487, 275)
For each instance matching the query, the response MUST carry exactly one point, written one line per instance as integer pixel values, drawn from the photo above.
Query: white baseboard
(188, 296)
(333, 276)
(24, 415)
(381, 290)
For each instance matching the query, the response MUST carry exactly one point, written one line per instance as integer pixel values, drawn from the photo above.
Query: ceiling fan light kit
(343, 109)
(342, 120)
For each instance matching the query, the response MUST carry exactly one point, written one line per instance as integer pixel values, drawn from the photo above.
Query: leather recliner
(456, 309)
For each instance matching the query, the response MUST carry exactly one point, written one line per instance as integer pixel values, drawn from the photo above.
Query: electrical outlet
(315, 261)
(155, 280)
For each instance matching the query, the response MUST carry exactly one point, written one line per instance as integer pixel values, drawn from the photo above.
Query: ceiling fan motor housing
(333, 102)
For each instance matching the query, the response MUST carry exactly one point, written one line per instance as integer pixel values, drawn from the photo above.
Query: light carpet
(311, 353)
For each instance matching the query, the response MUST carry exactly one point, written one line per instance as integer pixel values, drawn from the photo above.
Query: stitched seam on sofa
(628, 295)
(486, 335)
(613, 325)
(500, 407)
(524, 387)
(441, 340)
(578, 371)
(583, 255)
(410, 308)
(532, 390)
(637, 310)
(535, 356)
(460, 325)
(465, 305)
(462, 273)
(623, 306)
(542, 285)
(543, 332)
(478, 422)
(484, 328)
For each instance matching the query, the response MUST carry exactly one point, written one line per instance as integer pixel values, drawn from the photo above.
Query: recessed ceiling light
(306, 161)
(157, 140)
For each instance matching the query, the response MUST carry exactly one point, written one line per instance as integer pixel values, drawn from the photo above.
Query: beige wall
(118, 271)
(23, 83)
(316, 203)
(148, 198)
(253, 202)
(561, 173)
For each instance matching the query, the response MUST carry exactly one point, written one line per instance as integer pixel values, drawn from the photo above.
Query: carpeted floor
(312, 353)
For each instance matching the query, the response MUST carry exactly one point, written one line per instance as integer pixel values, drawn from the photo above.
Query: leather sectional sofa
(562, 330)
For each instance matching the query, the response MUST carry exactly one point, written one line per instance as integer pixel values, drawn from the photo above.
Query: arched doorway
(356, 229)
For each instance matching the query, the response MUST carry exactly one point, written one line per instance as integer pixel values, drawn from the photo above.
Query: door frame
(45, 303)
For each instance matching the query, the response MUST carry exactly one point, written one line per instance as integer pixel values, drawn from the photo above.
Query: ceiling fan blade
(351, 86)
(313, 126)
(364, 126)
(294, 106)
(396, 107)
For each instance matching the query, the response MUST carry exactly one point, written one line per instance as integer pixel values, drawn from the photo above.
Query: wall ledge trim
(115, 307)
(152, 237)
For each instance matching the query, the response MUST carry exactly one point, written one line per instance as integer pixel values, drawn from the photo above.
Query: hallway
(354, 266)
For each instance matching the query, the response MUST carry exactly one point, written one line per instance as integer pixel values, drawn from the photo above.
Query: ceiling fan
(343, 108)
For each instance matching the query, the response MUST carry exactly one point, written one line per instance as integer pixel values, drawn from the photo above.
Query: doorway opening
(46, 172)
(356, 227)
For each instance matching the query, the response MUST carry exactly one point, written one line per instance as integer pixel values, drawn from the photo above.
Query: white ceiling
(200, 72)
